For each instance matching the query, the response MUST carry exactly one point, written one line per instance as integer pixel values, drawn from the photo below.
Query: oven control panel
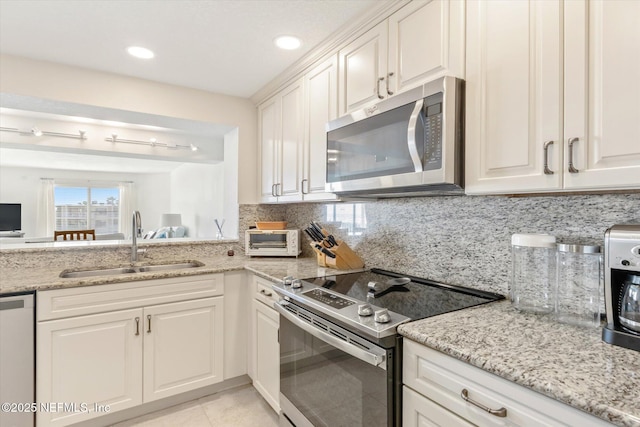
(330, 299)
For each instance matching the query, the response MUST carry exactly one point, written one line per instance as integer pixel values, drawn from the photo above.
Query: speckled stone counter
(570, 364)
(41, 278)
(566, 363)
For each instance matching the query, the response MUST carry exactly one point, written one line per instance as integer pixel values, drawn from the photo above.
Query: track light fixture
(153, 142)
(35, 131)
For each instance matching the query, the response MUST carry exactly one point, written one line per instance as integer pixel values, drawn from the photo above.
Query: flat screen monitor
(10, 216)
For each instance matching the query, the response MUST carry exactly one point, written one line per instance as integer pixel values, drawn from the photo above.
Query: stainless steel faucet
(136, 231)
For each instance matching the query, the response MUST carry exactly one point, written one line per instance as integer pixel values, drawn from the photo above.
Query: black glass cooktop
(417, 299)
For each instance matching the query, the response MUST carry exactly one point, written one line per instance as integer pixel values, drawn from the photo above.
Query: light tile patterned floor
(238, 407)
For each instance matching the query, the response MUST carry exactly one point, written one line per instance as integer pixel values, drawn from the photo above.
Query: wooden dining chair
(75, 235)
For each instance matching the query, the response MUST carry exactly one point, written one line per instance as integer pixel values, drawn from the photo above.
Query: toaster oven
(272, 242)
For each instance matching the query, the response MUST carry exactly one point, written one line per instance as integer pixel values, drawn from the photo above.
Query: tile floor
(238, 407)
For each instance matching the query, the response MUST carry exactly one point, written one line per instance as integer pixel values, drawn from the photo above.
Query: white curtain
(46, 214)
(127, 207)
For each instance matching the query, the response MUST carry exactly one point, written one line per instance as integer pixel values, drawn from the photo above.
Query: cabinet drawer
(263, 292)
(418, 411)
(61, 303)
(442, 378)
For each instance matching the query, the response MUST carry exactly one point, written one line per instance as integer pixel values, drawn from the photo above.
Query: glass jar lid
(581, 249)
(534, 240)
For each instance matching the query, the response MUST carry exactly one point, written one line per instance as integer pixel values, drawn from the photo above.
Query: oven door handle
(357, 352)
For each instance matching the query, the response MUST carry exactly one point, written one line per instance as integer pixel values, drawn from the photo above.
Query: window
(85, 208)
(347, 216)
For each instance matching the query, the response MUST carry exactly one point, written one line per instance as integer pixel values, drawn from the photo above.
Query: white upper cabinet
(321, 102)
(281, 120)
(513, 95)
(602, 93)
(268, 116)
(363, 69)
(549, 110)
(421, 41)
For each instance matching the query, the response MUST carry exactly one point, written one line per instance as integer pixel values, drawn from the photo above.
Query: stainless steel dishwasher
(17, 337)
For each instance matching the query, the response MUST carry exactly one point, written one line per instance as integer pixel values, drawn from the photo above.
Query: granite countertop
(32, 279)
(564, 362)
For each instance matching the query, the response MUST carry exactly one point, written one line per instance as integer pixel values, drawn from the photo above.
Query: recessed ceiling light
(140, 52)
(288, 42)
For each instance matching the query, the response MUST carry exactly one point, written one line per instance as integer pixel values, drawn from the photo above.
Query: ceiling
(222, 46)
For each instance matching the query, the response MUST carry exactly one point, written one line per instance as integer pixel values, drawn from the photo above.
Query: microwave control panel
(432, 115)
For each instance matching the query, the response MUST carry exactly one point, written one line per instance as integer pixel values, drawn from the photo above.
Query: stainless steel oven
(332, 377)
(340, 353)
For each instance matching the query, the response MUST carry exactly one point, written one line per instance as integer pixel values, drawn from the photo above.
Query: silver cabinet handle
(411, 136)
(546, 145)
(389, 75)
(137, 326)
(302, 185)
(502, 412)
(148, 323)
(378, 87)
(273, 186)
(278, 190)
(263, 292)
(572, 141)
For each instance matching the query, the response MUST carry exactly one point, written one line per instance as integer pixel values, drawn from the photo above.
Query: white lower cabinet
(265, 349)
(182, 347)
(434, 384)
(112, 360)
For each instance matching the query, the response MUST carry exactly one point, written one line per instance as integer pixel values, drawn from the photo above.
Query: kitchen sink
(107, 271)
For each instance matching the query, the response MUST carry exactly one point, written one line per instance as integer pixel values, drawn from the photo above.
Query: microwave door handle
(357, 352)
(411, 136)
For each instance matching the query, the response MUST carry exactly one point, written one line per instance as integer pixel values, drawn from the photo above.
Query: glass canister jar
(533, 273)
(579, 291)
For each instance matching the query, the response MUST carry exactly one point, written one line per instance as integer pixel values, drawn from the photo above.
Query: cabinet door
(602, 94)
(426, 41)
(363, 69)
(514, 96)
(266, 377)
(290, 162)
(93, 359)
(322, 106)
(183, 346)
(268, 117)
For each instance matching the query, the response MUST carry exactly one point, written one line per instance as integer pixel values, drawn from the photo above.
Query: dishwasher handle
(16, 302)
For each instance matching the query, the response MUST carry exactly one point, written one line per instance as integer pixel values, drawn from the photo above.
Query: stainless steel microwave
(410, 144)
(272, 242)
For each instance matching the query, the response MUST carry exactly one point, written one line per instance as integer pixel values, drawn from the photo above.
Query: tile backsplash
(463, 240)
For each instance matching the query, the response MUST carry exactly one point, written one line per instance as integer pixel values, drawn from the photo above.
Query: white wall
(42, 79)
(198, 205)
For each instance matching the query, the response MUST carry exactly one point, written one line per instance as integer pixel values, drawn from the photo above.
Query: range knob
(365, 310)
(296, 284)
(382, 316)
(287, 280)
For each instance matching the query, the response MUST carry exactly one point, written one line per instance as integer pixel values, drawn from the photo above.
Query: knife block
(321, 258)
(346, 258)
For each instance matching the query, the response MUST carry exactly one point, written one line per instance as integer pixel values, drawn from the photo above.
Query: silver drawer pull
(137, 326)
(149, 323)
(546, 170)
(265, 293)
(502, 412)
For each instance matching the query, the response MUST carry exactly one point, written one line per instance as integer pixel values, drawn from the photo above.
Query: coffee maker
(622, 286)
